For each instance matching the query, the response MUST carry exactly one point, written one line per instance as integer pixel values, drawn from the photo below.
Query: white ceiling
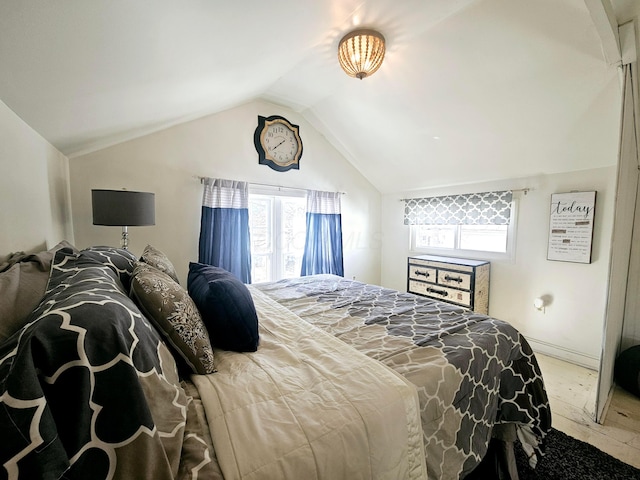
(470, 90)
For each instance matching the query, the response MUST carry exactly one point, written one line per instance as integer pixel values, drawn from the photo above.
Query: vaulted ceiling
(469, 90)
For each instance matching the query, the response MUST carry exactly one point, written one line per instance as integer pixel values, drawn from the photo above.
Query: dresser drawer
(454, 279)
(452, 295)
(418, 272)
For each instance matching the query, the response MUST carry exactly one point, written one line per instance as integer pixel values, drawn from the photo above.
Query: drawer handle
(444, 293)
(452, 279)
(421, 273)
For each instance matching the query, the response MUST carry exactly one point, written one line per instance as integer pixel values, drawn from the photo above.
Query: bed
(116, 371)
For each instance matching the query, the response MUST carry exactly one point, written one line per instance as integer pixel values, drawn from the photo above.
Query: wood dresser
(460, 281)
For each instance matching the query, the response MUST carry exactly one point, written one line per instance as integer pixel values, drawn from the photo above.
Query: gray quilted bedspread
(471, 371)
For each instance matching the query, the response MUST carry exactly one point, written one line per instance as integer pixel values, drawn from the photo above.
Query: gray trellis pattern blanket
(88, 390)
(472, 371)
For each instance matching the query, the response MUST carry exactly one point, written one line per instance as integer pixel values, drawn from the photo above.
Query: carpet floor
(571, 459)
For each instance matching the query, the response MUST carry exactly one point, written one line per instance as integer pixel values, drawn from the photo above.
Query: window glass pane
(440, 236)
(293, 219)
(293, 223)
(488, 238)
(291, 265)
(260, 224)
(260, 268)
(278, 225)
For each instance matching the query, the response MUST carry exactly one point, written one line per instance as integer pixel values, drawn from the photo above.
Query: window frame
(509, 255)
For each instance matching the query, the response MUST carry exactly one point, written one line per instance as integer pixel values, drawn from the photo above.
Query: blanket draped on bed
(87, 388)
(305, 405)
(472, 371)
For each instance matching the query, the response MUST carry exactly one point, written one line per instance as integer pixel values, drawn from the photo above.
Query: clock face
(278, 143)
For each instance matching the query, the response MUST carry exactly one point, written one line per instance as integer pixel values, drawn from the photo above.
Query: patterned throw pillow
(172, 311)
(159, 260)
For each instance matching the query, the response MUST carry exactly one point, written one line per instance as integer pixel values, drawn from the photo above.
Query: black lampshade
(123, 208)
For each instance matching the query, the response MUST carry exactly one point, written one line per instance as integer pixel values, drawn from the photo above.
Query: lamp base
(124, 241)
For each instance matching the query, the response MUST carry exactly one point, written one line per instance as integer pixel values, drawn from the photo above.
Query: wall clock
(278, 143)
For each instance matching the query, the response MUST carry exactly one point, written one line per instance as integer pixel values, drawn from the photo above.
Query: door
(626, 193)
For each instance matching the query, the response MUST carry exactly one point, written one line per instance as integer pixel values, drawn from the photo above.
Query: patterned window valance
(488, 208)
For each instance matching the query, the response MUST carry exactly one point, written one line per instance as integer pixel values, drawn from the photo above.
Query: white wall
(35, 210)
(571, 325)
(221, 146)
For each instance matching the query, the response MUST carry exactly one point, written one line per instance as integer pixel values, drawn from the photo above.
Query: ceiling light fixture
(361, 52)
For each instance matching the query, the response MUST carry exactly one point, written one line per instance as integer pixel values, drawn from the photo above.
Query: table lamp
(123, 208)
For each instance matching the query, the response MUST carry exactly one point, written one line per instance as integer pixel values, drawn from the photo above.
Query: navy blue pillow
(226, 307)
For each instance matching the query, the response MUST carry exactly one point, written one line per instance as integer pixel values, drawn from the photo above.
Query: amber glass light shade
(361, 52)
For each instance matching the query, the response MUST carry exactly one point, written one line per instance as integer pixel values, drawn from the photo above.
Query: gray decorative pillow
(159, 260)
(174, 314)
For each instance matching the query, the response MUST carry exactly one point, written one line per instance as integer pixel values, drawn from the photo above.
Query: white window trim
(509, 255)
(277, 191)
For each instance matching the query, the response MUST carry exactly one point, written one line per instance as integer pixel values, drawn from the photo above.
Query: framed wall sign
(571, 226)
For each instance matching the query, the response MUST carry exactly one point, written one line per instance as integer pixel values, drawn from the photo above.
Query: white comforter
(308, 406)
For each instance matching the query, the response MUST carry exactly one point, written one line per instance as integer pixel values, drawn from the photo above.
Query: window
(484, 238)
(277, 223)
(482, 222)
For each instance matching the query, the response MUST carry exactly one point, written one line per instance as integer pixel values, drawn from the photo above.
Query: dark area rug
(571, 459)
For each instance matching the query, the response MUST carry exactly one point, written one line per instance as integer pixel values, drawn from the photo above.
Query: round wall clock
(278, 143)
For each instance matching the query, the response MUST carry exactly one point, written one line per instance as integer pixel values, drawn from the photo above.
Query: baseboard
(565, 354)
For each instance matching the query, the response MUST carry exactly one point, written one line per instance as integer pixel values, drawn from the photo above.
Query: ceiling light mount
(361, 52)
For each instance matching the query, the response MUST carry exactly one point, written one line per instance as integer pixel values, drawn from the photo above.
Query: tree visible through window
(277, 225)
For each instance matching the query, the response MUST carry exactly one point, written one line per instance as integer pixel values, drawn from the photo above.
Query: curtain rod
(525, 190)
(202, 179)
